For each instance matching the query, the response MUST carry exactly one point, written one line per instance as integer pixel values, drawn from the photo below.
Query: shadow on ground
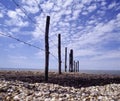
(66, 79)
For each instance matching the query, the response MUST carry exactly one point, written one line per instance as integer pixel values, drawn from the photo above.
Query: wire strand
(17, 39)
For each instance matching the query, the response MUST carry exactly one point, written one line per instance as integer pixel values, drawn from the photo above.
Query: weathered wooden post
(65, 59)
(78, 65)
(74, 66)
(71, 60)
(47, 48)
(59, 53)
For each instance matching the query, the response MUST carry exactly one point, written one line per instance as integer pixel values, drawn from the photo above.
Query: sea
(111, 72)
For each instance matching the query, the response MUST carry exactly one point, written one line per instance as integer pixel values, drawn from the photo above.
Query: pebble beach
(12, 88)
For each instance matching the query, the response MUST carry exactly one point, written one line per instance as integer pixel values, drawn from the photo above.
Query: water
(113, 72)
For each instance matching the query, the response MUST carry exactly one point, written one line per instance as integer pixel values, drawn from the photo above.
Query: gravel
(22, 91)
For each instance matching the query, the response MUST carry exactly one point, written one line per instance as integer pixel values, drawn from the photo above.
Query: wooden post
(47, 48)
(59, 53)
(69, 63)
(65, 59)
(78, 65)
(71, 60)
(74, 66)
(71, 51)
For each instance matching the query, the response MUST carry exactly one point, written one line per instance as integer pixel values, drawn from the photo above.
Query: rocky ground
(24, 86)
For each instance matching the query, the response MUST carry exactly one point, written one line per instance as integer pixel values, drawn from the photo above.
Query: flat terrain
(76, 80)
(30, 86)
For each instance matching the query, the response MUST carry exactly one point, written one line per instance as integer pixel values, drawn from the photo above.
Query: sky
(90, 27)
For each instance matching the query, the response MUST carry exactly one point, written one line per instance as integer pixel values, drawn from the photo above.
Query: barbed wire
(26, 14)
(24, 11)
(17, 39)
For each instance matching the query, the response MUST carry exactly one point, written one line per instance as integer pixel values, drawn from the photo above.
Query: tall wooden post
(71, 60)
(65, 59)
(59, 53)
(47, 48)
(71, 51)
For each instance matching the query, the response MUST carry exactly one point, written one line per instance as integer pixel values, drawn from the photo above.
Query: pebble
(20, 91)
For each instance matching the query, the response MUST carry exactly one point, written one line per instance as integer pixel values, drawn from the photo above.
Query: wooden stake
(69, 63)
(78, 65)
(71, 60)
(59, 53)
(74, 66)
(47, 48)
(65, 59)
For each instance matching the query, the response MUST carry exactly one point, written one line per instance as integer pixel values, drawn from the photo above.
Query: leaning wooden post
(65, 59)
(47, 48)
(59, 53)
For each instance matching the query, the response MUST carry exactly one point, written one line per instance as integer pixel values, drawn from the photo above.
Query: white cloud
(91, 8)
(112, 5)
(67, 3)
(16, 22)
(47, 6)
(40, 55)
(103, 3)
(118, 16)
(12, 14)
(108, 55)
(84, 13)
(79, 30)
(11, 46)
(16, 18)
(1, 15)
(15, 29)
(30, 6)
(18, 58)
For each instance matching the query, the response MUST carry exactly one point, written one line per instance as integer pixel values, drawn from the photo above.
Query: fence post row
(47, 48)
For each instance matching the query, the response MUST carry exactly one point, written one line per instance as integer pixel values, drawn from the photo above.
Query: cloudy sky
(90, 27)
